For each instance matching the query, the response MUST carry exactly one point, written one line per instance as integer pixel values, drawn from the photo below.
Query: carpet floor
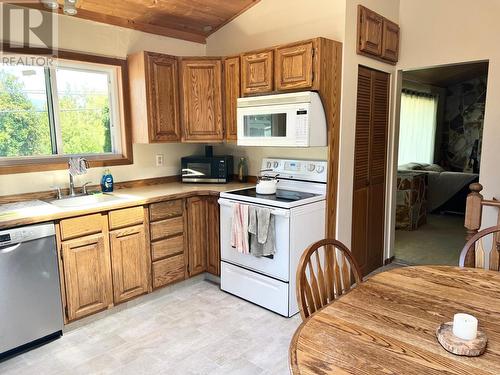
(437, 242)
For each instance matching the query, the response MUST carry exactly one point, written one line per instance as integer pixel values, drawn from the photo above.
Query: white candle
(465, 326)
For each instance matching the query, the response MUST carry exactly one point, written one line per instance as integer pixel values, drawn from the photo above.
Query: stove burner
(280, 196)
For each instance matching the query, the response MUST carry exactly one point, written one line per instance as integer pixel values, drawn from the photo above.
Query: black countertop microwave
(207, 169)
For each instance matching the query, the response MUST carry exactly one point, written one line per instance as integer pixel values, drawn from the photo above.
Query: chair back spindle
(483, 244)
(324, 274)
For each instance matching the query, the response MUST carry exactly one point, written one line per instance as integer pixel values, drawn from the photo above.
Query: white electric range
(299, 209)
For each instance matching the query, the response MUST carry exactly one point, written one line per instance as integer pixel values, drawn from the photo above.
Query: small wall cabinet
(201, 100)
(154, 96)
(378, 37)
(257, 72)
(294, 66)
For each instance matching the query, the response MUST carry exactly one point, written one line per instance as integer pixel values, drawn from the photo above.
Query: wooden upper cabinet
(377, 36)
(294, 66)
(231, 95)
(154, 92)
(87, 275)
(390, 41)
(257, 70)
(201, 100)
(130, 263)
(370, 26)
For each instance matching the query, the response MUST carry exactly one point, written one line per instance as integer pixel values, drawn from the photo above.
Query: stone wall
(463, 126)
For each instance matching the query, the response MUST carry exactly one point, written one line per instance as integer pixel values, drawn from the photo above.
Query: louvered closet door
(369, 168)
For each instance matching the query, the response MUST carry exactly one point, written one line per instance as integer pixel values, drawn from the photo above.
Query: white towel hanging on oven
(239, 228)
(261, 228)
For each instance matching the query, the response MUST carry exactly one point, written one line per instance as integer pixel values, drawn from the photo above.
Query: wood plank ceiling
(191, 20)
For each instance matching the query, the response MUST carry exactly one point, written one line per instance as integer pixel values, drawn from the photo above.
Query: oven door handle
(274, 211)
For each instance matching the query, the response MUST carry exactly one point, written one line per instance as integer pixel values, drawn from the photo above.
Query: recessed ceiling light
(69, 7)
(208, 28)
(50, 4)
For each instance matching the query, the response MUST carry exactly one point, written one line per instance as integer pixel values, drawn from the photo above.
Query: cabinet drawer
(126, 217)
(167, 228)
(170, 246)
(165, 210)
(168, 270)
(81, 226)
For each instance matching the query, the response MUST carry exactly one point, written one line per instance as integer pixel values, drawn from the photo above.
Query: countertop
(129, 197)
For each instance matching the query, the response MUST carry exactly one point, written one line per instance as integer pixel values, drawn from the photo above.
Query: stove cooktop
(283, 198)
(280, 196)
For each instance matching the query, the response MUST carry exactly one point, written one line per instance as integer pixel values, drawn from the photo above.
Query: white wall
(269, 23)
(351, 60)
(100, 39)
(454, 32)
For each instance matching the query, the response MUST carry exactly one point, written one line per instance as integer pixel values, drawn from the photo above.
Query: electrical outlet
(160, 160)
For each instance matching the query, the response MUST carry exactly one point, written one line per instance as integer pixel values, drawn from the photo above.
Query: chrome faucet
(72, 191)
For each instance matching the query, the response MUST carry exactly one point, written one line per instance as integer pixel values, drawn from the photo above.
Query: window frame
(120, 115)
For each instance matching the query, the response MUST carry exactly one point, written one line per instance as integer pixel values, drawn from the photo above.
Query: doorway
(370, 162)
(439, 156)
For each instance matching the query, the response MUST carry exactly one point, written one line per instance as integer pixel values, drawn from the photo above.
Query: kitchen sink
(86, 200)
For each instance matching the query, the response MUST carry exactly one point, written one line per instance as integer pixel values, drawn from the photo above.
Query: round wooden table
(388, 325)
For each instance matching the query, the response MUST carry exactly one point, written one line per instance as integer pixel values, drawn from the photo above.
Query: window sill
(52, 163)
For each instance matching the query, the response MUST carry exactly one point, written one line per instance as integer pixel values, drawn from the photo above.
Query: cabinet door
(390, 41)
(197, 219)
(257, 72)
(163, 97)
(213, 254)
(231, 95)
(130, 263)
(202, 100)
(294, 66)
(369, 31)
(87, 275)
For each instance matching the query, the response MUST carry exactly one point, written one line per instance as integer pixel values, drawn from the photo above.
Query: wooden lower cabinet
(213, 251)
(197, 242)
(130, 263)
(87, 275)
(203, 242)
(167, 271)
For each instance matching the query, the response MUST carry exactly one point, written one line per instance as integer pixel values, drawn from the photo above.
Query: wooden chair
(473, 254)
(324, 274)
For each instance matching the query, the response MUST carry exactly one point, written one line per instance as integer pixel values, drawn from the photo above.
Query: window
(69, 109)
(417, 133)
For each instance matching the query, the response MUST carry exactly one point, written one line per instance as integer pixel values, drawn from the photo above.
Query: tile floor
(194, 329)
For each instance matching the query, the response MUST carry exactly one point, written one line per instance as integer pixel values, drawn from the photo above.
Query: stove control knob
(311, 167)
(276, 164)
(320, 169)
(269, 164)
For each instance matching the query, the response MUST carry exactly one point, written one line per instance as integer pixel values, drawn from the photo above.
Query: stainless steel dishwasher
(30, 298)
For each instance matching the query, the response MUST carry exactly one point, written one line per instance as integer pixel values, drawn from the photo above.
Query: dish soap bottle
(242, 170)
(107, 181)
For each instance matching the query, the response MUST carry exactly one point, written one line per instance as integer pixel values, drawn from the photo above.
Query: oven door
(279, 265)
(272, 126)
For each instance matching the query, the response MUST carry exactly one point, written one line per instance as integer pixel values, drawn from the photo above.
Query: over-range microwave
(207, 169)
(282, 120)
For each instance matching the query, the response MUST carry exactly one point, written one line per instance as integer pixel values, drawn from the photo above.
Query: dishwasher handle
(274, 211)
(9, 249)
